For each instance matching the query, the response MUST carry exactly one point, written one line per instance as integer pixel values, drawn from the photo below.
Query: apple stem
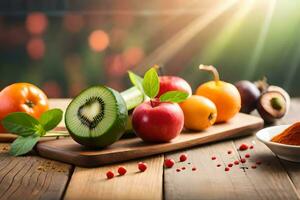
(211, 69)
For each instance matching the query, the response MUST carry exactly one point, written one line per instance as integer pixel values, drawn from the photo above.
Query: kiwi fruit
(97, 117)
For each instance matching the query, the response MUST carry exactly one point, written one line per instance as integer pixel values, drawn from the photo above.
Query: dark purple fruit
(249, 95)
(271, 106)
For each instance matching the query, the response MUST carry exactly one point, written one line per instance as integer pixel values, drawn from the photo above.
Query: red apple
(160, 122)
(171, 83)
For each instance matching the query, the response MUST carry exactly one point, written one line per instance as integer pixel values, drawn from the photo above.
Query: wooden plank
(92, 183)
(67, 150)
(268, 181)
(31, 177)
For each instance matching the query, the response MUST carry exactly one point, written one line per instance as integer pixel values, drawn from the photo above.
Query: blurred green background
(64, 46)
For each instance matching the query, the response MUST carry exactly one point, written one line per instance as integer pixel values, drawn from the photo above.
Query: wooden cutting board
(67, 150)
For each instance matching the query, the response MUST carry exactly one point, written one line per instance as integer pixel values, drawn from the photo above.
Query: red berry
(236, 162)
(243, 160)
(229, 152)
(251, 147)
(183, 157)
(247, 155)
(142, 166)
(178, 170)
(230, 165)
(218, 165)
(243, 147)
(253, 166)
(183, 168)
(227, 169)
(122, 171)
(194, 168)
(214, 158)
(110, 175)
(258, 162)
(169, 163)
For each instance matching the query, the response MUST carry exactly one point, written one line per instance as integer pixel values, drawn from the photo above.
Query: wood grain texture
(268, 181)
(67, 150)
(31, 177)
(92, 183)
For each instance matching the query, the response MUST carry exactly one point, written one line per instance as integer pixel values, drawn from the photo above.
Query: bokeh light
(73, 23)
(132, 56)
(36, 48)
(115, 65)
(52, 89)
(98, 40)
(36, 23)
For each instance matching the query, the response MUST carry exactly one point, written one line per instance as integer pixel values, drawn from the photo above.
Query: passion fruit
(271, 106)
(249, 95)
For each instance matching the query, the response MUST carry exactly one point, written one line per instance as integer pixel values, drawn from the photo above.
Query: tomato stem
(211, 69)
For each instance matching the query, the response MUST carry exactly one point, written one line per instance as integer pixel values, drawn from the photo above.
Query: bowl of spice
(283, 140)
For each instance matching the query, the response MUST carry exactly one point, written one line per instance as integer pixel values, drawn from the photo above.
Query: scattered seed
(258, 162)
(243, 160)
(247, 155)
(194, 168)
(227, 169)
(214, 158)
(178, 170)
(110, 175)
(218, 165)
(230, 165)
(183, 157)
(142, 166)
(251, 147)
(253, 166)
(122, 171)
(183, 168)
(229, 152)
(243, 147)
(169, 163)
(236, 162)
(189, 163)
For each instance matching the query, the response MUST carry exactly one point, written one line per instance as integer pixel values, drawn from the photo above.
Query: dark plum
(249, 95)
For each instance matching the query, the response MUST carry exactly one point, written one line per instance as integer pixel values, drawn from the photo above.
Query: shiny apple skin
(171, 83)
(158, 124)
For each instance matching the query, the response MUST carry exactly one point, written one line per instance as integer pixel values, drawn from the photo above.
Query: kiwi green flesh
(97, 117)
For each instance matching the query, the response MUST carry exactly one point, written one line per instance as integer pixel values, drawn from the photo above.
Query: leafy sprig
(29, 129)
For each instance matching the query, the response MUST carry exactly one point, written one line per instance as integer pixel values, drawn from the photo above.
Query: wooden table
(32, 177)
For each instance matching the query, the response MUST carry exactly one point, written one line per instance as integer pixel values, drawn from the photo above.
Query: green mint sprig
(149, 86)
(29, 129)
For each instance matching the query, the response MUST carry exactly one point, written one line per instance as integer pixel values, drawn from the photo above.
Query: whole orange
(199, 112)
(225, 96)
(22, 97)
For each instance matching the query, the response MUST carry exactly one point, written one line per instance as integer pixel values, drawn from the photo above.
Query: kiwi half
(97, 117)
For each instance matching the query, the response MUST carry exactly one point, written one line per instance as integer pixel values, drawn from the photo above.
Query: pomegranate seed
(243, 160)
(258, 162)
(236, 162)
(169, 163)
(183, 168)
(110, 175)
(142, 166)
(227, 169)
(229, 152)
(243, 147)
(251, 147)
(214, 158)
(253, 166)
(183, 157)
(230, 165)
(194, 168)
(178, 170)
(122, 171)
(247, 155)
(218, 165)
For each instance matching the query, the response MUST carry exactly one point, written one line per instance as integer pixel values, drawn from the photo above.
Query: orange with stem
(225, 96)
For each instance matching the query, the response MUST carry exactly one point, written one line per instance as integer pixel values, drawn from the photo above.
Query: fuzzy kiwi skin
(115, 131)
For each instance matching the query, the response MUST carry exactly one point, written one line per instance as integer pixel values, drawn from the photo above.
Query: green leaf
(23, 145)
(51, 118)
(174, 96)
(151, 83)
(20, 123)
(136, 80)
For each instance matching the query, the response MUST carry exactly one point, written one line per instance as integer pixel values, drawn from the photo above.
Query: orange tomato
(22, 97)
(225, 96)
(199, 112)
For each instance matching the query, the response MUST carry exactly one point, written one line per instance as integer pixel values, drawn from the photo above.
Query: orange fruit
(199, 112)
(225, 96)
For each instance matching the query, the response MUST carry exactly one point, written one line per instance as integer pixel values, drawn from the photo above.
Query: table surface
(33, 177)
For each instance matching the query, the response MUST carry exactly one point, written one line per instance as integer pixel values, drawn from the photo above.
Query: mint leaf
(136, 80)
(51, 118)
(151, 83)
(23, 145)
(20, 123)
(174, 96)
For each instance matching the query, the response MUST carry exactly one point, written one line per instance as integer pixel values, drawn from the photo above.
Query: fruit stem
(133, 97)
(276, 103)
(211, 69)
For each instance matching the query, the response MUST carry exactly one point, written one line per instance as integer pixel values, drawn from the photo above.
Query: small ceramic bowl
(283, 151)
